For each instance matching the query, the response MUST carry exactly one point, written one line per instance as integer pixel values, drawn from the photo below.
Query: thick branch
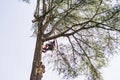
(63, 33)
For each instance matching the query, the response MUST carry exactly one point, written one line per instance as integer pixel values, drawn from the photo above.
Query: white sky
(17, 47)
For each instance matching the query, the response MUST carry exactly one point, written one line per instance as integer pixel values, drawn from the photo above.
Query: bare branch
(105, 26)
(91, 65)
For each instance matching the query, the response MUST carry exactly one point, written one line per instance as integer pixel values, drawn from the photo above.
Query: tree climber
(49, 46)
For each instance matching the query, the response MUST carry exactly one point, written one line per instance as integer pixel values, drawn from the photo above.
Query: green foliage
(91, 28)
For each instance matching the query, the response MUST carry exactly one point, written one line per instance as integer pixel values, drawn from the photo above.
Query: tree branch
(107, 26)
(63, 33)
(91, 65)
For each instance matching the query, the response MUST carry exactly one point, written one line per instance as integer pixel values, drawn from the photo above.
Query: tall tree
(91, 28)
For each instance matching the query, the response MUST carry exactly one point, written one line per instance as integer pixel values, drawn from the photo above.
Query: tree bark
(37, 58)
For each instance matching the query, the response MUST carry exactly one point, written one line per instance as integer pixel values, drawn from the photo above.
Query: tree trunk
(37, 67)
(35, 75)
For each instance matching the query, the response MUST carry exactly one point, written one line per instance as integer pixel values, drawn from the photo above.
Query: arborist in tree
(49, 46)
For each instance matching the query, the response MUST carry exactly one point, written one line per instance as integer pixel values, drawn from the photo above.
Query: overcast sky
(17, 47)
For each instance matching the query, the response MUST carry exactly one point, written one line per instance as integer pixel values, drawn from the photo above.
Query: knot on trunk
(40, 69)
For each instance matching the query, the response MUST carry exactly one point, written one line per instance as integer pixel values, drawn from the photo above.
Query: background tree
(91, 28)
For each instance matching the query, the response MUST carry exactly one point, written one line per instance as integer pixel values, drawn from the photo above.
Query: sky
(17, 45)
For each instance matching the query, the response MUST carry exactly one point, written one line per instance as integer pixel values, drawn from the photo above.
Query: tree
(91, 28)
